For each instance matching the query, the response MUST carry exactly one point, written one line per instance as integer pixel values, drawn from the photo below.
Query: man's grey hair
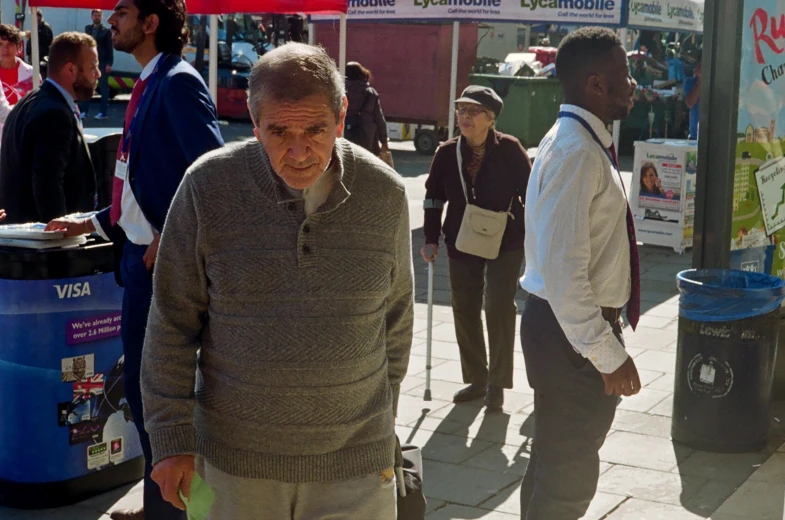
(293, 72)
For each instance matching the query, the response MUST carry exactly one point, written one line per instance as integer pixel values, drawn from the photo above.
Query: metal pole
(35, 54)
(453, 77)
(342, 47)
(311, 34)
(717, 138)
(428, 339)
(212, 75)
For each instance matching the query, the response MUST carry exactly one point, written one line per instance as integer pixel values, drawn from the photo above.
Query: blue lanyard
(593, 134)
(132, 126)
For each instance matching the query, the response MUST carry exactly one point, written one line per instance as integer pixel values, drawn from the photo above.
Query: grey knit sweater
(304, 323)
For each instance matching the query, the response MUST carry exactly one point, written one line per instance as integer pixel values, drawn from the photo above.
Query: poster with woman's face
(660, 176)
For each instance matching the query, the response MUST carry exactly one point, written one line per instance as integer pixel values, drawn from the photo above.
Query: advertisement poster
(758, 226)
(601, 12)
(62, 368)
(661, 174)
(684, 15)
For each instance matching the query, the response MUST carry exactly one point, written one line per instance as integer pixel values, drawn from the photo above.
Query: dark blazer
(45, 166)
(103, 39)
(503, 176)
(176, 124)
(45, 38)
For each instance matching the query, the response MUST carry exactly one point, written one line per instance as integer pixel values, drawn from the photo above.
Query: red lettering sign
(764, 33)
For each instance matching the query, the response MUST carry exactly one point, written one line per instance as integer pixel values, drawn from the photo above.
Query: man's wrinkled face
(299, 137)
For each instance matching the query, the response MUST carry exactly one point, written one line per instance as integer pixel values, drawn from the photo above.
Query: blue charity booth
(66, 432)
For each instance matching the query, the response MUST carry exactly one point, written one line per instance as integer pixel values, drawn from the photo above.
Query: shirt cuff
(608, 356)
(98, 228)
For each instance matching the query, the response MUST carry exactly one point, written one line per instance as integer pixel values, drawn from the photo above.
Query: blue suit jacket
(176, 124)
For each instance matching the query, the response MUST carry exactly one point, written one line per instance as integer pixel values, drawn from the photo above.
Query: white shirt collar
(150, 67)
(598, 126)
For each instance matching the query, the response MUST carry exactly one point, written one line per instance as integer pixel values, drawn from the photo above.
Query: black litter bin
(66, 432)
(728, 328)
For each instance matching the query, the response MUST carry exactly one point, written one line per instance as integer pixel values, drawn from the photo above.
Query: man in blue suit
(170, 122)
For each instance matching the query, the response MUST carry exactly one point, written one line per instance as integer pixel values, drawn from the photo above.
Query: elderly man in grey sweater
(282, 312)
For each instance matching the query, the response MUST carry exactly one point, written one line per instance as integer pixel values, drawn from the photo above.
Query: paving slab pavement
(474, 461)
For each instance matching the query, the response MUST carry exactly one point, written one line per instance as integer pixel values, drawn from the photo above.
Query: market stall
(599, 12)
(208, 7)
(662, 194)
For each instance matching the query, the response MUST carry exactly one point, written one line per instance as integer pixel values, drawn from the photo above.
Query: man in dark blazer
(45, 38)
(170, 122)
(103, 39)
(45, 166)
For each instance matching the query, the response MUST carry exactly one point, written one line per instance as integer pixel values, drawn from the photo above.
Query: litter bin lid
(95, 257)
(725, 294)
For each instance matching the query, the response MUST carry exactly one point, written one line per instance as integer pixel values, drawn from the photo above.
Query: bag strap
(398, 466)
(460, 169)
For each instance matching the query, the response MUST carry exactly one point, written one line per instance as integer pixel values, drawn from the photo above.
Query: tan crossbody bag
(481, 229)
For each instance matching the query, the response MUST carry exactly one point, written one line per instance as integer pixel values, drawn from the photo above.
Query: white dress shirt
(577, 248)
(137, 228)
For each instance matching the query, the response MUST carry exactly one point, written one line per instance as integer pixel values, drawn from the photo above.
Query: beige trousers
(372, 497)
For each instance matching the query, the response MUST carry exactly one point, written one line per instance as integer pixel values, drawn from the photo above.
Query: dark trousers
(138, 294)
(103, 89)
(498, 280)
(572, 417)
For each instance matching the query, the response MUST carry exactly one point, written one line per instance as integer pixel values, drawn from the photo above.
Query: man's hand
(108, 69)
(624, 382)
(172, 475)
(151, 253)
(72, 227)
(2, 215)
(429, 252)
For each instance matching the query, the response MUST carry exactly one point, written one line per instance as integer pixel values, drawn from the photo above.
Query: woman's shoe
(471, 393)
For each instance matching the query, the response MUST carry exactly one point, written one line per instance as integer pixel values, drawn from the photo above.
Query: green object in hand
(200, 499)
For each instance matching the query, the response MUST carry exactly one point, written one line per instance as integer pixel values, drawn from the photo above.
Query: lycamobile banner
(757, 240)
(606, 12)
(676, 15)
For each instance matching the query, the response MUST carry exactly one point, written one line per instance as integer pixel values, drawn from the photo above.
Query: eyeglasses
(471, 111)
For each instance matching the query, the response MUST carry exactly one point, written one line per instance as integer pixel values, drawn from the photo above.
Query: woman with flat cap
(483, 175)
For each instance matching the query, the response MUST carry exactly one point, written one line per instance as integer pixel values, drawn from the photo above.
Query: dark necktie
(634, 304)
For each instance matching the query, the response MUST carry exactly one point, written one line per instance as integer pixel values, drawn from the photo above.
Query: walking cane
(427, 396)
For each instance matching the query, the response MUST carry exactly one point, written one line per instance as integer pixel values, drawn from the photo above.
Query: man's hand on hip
(108, 69)
(151, 253)
(172, 475)
(624, 381)
(2, 215)
(72, 227)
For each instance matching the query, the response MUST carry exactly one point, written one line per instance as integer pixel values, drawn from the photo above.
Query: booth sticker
(770, 179)
(94, 328)
(89, 387)
(78, 368)
(116, 450)
(85, 431)
(709, 376)
(97, 455)
(73, 412)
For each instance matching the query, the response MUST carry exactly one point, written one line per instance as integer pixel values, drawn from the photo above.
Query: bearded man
(45, 165)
